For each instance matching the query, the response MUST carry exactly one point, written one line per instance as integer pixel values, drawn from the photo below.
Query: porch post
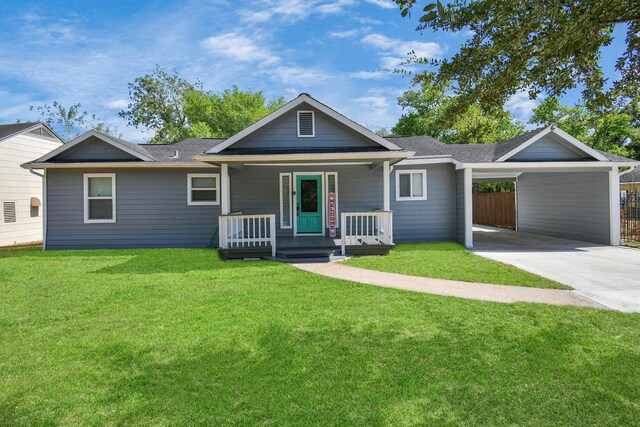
(614, 206)
(224, 189)
(386, 204)
(468, 208)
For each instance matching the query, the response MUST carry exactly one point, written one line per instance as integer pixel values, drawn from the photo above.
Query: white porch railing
(247, 231)
(366, 228)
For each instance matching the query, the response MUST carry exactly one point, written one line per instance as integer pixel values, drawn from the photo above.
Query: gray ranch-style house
(305, 177)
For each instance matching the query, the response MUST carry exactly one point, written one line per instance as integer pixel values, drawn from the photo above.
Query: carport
(563, 188)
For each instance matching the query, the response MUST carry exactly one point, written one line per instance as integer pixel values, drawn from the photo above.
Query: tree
(427, 106)
(157, 102)
(213, 114)
(72, 121)
(615, 132)
(173, 109)
(536, 46)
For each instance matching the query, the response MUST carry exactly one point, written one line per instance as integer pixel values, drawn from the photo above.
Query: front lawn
(177, 337)
(449, 260)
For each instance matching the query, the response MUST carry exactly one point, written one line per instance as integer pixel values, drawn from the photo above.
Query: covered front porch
(305, 209)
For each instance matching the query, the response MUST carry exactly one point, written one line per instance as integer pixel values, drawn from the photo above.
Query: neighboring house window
(306, 124)
(9, 212)
(332, 187)
(411, 185)
(285, 200)
(623, 194)
(203, 188)
(99, 197)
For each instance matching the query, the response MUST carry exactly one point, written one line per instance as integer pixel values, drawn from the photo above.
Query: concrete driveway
(608, 275)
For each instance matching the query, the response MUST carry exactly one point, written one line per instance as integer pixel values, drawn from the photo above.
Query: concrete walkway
(453, 288)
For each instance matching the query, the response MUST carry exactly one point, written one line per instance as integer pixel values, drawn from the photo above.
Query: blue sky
(87, 52)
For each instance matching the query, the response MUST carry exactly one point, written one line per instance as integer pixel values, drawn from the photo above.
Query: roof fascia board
(524, 145)
(80, 138)
(89, 165)
(546, 165)
(562, 134)
(427, 161)
(293, 104)
(303, 156)
(579, 144)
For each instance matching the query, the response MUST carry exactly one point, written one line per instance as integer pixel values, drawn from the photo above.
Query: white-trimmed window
(99, 197)
(286, 209)
(332, 187)
(411, 184)
(203, 188)
(306, 124)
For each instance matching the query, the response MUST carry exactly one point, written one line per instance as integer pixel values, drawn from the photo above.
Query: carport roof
(426, 146)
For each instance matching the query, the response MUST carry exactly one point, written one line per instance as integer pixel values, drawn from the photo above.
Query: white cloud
(334, 6)
(240, 48)
(370, 75)
(117, 104)
(343, 34)
(292, 10)
(385, 4)
(394, 51)
(268, 9)
(298, 76)
(521, 106)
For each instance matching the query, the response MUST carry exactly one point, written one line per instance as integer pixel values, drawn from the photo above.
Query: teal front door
(309, 203)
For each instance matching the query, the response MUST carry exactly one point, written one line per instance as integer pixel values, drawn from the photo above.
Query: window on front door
(309, 203)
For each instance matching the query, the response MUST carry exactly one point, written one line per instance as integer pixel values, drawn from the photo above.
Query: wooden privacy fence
(496, 209)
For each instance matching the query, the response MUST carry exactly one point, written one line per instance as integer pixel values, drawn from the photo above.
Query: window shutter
(305, 123)
(9, 212)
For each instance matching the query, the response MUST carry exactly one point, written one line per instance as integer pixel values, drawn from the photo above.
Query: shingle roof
(632, 176)
(472, 153)
(14, 128)
(423, 146)
(186, 149)
(508, 145)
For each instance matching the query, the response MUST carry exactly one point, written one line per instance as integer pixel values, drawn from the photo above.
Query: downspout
(44, 205)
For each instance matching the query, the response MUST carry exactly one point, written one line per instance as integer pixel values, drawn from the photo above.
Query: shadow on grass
(154, 261)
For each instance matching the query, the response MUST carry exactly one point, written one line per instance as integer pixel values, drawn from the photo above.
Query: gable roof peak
(306, 98)
(126, 146)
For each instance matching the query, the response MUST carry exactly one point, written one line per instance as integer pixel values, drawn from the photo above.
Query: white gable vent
(306, 124)
(9, 212)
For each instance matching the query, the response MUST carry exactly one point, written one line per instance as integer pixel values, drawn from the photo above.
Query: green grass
(448, 260)
(177, 337)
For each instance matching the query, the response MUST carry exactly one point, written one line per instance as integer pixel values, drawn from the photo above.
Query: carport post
(468, 208)
(614, 206)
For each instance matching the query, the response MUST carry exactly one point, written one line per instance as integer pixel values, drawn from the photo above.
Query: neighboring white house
(21, 204)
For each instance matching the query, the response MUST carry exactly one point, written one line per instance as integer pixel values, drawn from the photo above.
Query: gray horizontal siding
(255, 189)
(94, 149)
(547, 148)
(572, 205)
(151, 211)
(426, 220)
(282, 133)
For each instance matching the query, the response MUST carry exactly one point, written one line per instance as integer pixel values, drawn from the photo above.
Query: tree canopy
(542, 47)
(213, 114)
(426, 106)
(173, 108)
(72, 120)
